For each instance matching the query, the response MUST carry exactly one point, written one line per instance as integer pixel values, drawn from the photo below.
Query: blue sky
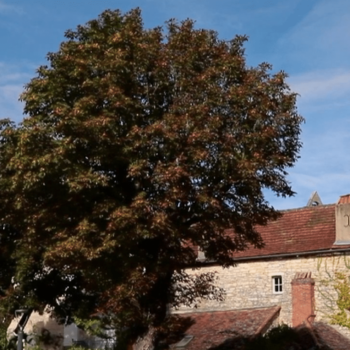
(309, 39)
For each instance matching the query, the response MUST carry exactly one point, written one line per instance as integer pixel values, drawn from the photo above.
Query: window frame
(275, 283)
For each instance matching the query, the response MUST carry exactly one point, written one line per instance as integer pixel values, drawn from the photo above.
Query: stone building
(44, 331)
(304, 249)
(288, 281)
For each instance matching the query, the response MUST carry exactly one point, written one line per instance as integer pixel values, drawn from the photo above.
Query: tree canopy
(138, 145)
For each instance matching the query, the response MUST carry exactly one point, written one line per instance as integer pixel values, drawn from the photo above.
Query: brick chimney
(303, 298)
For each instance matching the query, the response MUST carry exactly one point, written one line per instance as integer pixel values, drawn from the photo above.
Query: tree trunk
(146, 342)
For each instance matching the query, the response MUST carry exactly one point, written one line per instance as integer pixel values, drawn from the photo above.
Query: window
(201, 255)
(277, 284)
(183, 343)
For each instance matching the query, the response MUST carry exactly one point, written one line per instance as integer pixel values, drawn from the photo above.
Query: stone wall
(41, 327)
(249, 284)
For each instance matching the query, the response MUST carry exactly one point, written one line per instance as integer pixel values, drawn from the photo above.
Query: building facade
(290, 280)
(310, 243)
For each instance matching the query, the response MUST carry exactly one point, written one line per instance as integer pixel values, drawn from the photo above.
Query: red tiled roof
(320, 335)
(345, 199)
(328, 336)
(297, 231)
(211, 329)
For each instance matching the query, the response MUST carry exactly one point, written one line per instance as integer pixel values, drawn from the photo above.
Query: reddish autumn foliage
(138, 143)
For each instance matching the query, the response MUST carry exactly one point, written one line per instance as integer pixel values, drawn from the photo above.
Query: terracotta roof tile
(296, 231)
(211, 329)
(345, 199)
(324, 336)
(328, 336)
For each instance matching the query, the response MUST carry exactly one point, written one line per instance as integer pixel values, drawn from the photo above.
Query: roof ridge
(308, 207)
(203, 311)
(268, 320)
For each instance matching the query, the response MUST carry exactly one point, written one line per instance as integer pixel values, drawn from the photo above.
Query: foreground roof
(239, 330)
(327, 337)
(300, 230)
(227, 328)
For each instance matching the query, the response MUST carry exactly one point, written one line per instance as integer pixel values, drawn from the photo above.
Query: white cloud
(324, 165)
(10, 92)
(330, 84)
(12, 79)
(4, 8)
(10, 107)
(323, 92)
(329, 185)
(321, 38)
(12, 73)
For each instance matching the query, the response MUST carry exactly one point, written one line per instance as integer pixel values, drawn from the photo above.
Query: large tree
(138, 145)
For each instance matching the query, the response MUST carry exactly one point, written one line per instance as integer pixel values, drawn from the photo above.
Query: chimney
(342, 220)
(303, 298)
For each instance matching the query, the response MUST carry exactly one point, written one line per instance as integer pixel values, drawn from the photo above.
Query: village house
(288, 281)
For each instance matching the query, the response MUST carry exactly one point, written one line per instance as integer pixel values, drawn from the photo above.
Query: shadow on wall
(47, 334)
(44, 331)
(40, 330)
